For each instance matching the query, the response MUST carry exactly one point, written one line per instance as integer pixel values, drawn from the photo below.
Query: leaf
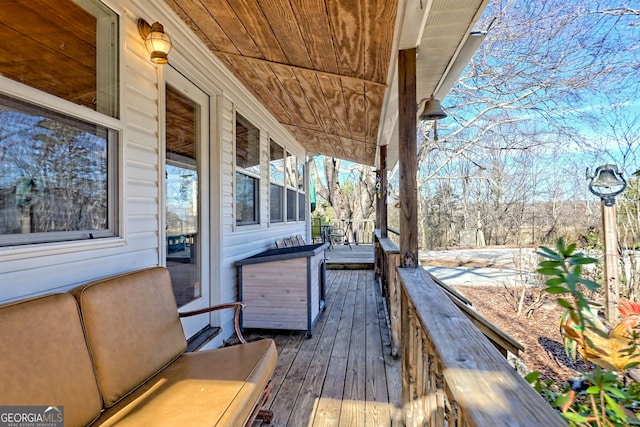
(591, 285)
(564, 303)
(556, 290)
(561, 246)
(565, 401)
(548, 271)
(554, 281)
(572, 416)
(617, 392)
(631, 365)
(532, 377)
(583, 261)
(594, 389)
(554, 263)
(549, 253)
(613, 405)
(577, 270)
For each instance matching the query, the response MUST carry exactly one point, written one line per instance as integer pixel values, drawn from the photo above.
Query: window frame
(291, 186)
(252, 174)
(279, 184)
(301, 179)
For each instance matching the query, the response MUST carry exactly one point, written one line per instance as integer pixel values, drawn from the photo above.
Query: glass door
(185, 195)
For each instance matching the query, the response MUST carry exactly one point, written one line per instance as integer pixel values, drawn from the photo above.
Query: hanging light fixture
(158, 44)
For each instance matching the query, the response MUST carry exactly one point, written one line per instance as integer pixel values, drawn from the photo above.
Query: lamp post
(607, 182)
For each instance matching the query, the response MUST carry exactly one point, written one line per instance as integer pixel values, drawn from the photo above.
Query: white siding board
(142, 119)
(17, 285)
(142, 154)
(142, 223)
(142, 171)
(140, 188)
(142, 206)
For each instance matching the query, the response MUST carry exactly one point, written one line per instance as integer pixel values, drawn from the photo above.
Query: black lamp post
(607, 182)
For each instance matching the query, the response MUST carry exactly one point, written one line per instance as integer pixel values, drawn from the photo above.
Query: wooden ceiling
(319, 66)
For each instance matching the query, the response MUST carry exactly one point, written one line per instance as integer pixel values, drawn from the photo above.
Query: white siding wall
(45, 268)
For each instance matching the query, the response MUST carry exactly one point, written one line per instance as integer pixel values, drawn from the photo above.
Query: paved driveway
(481, 267)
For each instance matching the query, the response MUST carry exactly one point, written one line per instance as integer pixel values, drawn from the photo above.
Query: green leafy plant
(607, 400)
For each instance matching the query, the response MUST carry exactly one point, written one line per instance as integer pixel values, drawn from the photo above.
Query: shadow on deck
(344, 373)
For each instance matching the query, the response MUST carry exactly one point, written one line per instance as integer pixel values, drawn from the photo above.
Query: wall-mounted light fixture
(432, 111)
(158, 44)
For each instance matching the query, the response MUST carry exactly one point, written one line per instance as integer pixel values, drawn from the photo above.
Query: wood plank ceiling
(319, 66)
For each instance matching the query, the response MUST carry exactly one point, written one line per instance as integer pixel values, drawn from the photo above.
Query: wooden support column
(408, 158)
(612, 284)
(382, 201)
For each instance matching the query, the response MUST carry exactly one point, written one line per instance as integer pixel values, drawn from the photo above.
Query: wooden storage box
(283, 288)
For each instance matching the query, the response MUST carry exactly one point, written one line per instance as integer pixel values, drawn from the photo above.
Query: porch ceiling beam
(295, 67)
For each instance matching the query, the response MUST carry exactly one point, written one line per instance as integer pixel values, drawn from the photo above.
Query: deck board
(343, 375)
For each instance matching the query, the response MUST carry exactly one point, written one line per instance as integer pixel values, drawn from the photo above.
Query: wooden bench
(291, 242)
(113, 352)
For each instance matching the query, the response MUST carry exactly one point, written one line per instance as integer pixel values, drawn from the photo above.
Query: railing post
(393, 260)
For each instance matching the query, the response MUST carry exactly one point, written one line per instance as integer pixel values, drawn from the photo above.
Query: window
(65, 48)
(292, 202)
(276, 182)
(247, 172)
(58, 168)
(58, 176)
(301, 193)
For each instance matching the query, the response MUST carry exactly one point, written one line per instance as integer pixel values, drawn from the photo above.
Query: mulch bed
(539, 332)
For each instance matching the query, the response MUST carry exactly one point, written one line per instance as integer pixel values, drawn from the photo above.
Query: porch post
(382, 201)
(408, 158)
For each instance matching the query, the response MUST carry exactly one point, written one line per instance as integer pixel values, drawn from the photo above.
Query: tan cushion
(132, 327)
(44, 358)
(207, 388)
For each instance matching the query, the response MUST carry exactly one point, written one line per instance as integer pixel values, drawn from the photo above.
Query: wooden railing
(357, 231)
(451, 373)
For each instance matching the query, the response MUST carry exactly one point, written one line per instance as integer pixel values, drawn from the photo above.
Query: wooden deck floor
(343, 375)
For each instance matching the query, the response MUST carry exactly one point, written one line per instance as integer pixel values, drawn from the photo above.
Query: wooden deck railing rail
(451, 372)
(357, 231)
(387, 258)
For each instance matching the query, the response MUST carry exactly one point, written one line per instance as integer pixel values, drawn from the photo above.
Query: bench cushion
(207, 388)
(132, 328)
(44, 358)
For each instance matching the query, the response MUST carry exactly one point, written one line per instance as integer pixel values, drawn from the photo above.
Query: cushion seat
(214, 387)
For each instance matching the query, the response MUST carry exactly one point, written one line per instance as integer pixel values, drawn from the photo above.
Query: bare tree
(524, 115)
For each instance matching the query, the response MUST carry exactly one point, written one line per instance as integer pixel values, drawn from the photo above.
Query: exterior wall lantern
(432, 111)
(158, 44)
(607, 182)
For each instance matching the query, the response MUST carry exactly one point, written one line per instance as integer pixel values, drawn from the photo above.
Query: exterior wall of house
(35, 269)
